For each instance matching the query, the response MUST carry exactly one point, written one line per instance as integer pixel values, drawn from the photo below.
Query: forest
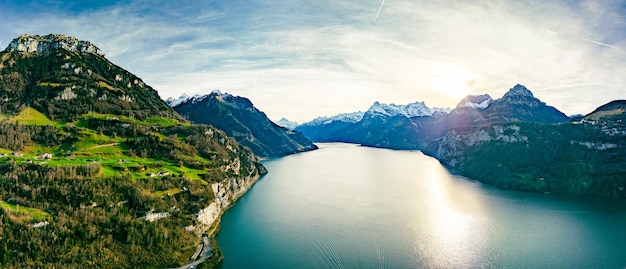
(84, 206)
(557, 158)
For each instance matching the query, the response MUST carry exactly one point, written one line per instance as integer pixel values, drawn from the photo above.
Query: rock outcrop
(226, 192)
(50, 43)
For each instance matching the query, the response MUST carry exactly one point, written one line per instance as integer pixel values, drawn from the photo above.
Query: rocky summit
(52, 42)
(64, 78)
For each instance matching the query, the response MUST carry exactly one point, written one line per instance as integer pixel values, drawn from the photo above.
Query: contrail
(600, 43)
(379, 9)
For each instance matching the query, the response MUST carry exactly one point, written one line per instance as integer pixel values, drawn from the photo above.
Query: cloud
(303, 59)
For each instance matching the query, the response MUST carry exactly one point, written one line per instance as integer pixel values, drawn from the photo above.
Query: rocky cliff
(581, 157)
(50, 43)
(227, 191)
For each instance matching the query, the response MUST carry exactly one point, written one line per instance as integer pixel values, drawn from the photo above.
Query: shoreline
(215, 227)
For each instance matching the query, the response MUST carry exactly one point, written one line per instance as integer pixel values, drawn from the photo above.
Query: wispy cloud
(302, 59)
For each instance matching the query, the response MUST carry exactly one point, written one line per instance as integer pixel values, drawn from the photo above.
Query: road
(207, 253)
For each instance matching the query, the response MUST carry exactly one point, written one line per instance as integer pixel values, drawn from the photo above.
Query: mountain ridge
(413, 126)
(64, 77)
(238, 117)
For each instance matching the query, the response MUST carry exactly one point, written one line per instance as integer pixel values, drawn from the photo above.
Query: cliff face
(52, 42)
(227, 192)
(582, 157)
(451, 146)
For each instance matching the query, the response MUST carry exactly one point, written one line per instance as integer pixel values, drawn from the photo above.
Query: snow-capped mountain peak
(416, 109)
(284, 122)
(476, 101)
(353, 117)
(186, 98)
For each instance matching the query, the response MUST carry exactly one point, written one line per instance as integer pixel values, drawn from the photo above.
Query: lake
(346, 206)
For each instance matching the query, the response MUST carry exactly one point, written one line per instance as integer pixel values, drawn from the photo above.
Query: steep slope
(582, 157)
(114, 190)
(238, 117)
(613, 111)
(64, 77)
(517, 105)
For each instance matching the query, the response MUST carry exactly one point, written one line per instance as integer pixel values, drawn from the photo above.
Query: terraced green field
(92, 146)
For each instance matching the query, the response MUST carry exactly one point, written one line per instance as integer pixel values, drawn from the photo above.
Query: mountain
(514, 142)
(283, 122)
(584, 156)
(382, 125)
(415, 125)
(64, 77)
(393, 126)
(417, 109)
(238, 117)
(517, 105)
(613, 111)
(96, 170)
(330, 129)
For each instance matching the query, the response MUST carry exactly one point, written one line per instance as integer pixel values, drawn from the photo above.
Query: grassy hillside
(32, 116)
(75, 194)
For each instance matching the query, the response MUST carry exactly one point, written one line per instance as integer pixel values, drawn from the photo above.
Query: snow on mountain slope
(416, 109)
(353, 117)
(185, 98)
(284, 122)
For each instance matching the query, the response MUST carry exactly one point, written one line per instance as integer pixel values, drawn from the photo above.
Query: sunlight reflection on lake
(345, 206)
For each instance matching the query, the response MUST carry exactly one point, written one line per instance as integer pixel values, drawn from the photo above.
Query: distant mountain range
(514, 142)
(414, 125)
(382, 125)
(238, 117)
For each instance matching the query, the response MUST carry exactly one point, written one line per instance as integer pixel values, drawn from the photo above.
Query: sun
(454, 81)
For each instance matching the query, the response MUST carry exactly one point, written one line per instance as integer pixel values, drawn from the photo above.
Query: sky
(304, 59)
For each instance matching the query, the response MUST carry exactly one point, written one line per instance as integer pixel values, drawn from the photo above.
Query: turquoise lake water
(345, 206)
